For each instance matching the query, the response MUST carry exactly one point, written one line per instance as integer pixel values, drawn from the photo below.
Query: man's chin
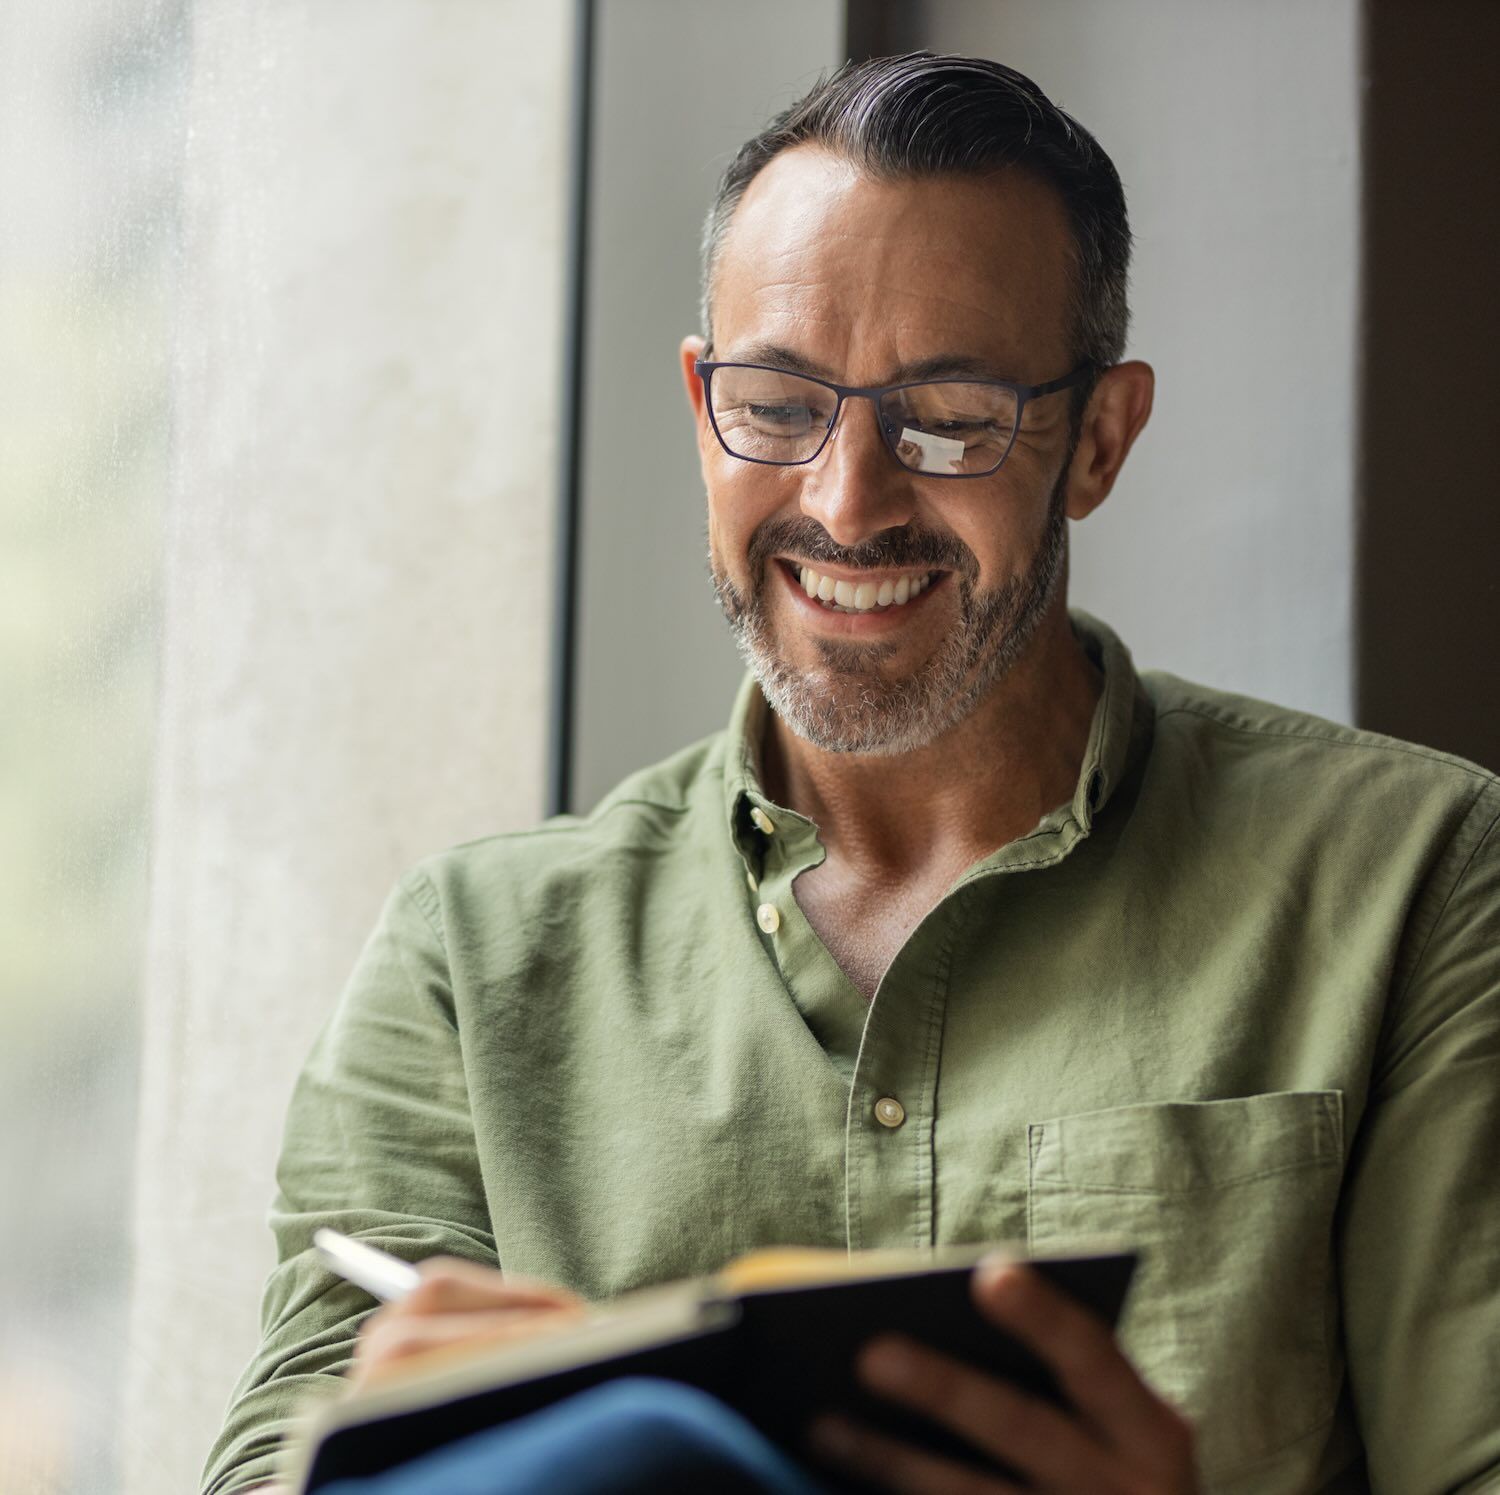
(881, 664)
(846, 709)
(873, 697)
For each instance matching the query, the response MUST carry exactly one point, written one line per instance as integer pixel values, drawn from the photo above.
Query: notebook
(773, 1334)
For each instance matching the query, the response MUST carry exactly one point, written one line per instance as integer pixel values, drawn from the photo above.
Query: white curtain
(358, 569)
(278, 490)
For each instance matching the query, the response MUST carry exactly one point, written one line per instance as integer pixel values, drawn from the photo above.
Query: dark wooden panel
(1428, 572)
(882, 28)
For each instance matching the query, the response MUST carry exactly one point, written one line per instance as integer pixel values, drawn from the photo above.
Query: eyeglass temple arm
(1066, 382)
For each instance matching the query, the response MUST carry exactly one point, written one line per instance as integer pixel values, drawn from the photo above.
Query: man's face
(867, 283)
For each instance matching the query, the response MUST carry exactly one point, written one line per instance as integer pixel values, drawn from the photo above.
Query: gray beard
(841, 705)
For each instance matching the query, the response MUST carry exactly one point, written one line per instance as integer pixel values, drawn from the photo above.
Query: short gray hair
(930, 115)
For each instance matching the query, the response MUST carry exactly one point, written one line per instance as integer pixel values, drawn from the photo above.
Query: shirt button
(889, 1111)
(761, 821)
(750, 878)
(768, 918)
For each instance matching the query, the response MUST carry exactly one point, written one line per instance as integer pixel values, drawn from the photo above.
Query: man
(963, 930)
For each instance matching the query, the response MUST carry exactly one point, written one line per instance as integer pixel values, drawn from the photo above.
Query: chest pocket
(1234, 1315)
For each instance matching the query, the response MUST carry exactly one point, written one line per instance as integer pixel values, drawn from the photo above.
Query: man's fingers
(1035, 1438)
(1102, 1385)
(457, 1303)
(897, 1466)
(399, 1338)
(450, 1284)
(391, 1345)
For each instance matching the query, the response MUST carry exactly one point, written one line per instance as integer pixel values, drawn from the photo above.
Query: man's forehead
(820, 254)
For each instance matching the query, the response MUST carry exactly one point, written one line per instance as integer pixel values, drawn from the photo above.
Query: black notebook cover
(779, 1355)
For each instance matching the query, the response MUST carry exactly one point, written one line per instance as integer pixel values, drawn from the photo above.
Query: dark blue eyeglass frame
(705, 370)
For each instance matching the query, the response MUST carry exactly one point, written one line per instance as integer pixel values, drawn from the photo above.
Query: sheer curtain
(279, 417)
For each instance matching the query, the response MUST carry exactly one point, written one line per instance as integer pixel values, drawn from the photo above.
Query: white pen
(377, 1271)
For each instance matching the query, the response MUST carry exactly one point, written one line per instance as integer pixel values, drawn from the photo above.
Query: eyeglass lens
(945, 427)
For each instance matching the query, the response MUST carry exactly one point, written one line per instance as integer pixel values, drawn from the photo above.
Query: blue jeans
(630, 1437)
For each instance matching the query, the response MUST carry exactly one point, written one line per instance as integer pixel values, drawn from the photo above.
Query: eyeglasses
(941, 428)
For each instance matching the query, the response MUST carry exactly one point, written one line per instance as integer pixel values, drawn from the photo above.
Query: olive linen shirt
(1237, 1001)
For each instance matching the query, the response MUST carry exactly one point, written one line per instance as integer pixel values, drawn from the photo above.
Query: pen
(385, 1276)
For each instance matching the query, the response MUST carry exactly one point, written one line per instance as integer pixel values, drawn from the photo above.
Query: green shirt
(1237, 1001)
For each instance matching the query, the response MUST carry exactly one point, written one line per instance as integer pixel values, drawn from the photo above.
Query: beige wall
(358, 569)
(681, 85)
(1226, 552)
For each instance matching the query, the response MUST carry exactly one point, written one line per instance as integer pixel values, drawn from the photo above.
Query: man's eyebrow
(943, 366)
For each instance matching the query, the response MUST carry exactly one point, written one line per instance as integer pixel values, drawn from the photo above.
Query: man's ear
(690, 352)
(1117, 410)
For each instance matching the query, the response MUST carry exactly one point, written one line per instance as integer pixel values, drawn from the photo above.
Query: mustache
(891, 548)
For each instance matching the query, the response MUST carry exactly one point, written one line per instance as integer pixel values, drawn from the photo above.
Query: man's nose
(854, 487)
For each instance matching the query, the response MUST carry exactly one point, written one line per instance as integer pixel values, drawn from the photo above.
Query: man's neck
(991, 779)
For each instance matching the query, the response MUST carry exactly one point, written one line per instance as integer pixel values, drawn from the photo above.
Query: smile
(875, 592)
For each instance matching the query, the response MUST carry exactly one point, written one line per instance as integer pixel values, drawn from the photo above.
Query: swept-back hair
(929, 115)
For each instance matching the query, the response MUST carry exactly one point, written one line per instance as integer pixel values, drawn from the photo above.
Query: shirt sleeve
(1420, 1232)
(379, 1144)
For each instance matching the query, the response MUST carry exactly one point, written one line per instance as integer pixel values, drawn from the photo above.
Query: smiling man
(963, 930)
(890, 559)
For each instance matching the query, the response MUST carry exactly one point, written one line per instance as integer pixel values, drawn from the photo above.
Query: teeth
(848, 596)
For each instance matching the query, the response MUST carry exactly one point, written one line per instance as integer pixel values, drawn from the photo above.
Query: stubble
(844, 703)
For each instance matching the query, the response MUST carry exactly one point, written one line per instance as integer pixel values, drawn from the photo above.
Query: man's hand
(1121, 1438)
(457, 1302)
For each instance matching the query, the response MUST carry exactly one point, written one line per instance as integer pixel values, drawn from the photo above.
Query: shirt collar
(744, 798)
(1112, 732)
(1105, 758)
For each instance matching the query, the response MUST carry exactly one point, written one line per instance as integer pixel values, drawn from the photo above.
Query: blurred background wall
(655, 667)
(1224, 552)
(287, 299)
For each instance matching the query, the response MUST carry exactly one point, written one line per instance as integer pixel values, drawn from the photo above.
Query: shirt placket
(782, 846)
(889, 1172)
(890, 1130)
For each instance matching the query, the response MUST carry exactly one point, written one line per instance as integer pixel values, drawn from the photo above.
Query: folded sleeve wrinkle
(379, 1143)
(1420, 1238)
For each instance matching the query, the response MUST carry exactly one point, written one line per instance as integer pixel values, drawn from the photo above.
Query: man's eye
(782, 417)
(970, 432)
